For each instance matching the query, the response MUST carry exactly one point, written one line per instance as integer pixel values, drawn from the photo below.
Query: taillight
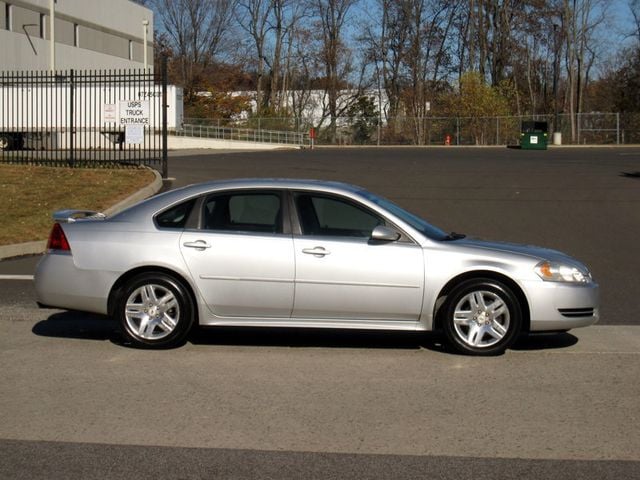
(58, 240)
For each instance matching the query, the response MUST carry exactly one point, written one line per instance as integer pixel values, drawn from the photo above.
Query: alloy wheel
(152, 312)
(481, 319)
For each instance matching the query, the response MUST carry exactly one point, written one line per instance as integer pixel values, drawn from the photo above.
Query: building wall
(103, 42)
(90, 34)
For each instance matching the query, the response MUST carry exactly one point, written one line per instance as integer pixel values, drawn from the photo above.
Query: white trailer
(88, 116)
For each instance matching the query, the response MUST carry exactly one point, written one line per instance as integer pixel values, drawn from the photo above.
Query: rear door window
(244, 212)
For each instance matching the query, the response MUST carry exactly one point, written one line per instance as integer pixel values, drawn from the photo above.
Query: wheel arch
(125, 277)
(438, 310)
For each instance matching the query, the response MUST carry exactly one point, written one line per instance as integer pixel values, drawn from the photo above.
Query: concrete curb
(141, 194)
(39, 246)
(19, 249)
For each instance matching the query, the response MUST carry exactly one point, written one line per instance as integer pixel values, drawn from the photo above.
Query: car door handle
(199, 244)
(319, 251)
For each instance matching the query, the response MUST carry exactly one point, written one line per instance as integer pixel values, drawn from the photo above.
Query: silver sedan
(288, 253)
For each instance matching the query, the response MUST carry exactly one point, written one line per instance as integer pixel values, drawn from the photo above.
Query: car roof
(275, 183)
(152, 205)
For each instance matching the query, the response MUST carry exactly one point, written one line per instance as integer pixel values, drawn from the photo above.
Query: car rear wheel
(483, 317)
(155, 310)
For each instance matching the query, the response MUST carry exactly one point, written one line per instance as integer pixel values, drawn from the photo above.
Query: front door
(342, 274)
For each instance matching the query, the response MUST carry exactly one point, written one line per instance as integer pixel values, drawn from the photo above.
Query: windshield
(416, 222)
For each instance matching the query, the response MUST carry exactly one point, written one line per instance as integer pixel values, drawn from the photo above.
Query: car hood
(532, 251)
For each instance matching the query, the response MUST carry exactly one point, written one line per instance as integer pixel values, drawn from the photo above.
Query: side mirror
(384, 234)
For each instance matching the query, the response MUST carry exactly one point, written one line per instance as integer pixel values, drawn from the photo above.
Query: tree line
(423, 57)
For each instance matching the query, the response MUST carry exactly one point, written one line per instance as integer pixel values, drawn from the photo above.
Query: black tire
(149, 322)
(492, 327)
(6, 142)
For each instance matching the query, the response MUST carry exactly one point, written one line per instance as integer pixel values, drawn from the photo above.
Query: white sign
(134, 112)
(428, 105)
(533, 139)
(109, 113)
(134, 134)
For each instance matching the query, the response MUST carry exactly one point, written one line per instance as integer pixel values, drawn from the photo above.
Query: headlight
(559, 272)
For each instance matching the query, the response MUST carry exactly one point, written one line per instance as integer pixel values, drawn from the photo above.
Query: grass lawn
(29, 194)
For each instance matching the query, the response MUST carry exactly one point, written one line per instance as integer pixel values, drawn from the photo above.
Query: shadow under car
(86, 326)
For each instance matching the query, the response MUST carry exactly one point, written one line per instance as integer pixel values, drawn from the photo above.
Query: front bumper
(562, 306)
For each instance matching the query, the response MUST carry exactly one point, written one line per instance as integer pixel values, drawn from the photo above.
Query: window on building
(42, 25)
(130, 50)
(7, 16)
(76, 35)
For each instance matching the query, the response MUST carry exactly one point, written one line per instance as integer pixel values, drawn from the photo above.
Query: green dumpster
(534, 135)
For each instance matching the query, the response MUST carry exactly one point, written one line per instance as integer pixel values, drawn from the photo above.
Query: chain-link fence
(584, 129)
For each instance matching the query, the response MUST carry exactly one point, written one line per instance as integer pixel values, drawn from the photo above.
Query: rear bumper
(561, 306)
(60, 284)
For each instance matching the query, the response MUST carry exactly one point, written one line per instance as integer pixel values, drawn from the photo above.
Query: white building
(313, 105)
(89, 34)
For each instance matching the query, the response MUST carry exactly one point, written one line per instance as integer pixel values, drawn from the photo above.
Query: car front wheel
(155, 311)
(483, 317)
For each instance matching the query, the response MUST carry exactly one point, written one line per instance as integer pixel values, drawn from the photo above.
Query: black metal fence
(91, 118)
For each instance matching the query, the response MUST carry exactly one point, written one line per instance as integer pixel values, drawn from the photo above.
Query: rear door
(241, 258)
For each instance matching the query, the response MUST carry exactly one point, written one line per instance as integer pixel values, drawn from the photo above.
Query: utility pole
(145, 30)
(52, 35)
(556, 117)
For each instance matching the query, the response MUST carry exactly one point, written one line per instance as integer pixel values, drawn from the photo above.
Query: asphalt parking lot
(75, 403)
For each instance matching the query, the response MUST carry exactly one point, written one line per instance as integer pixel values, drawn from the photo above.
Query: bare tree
(253, 16)
(429, 24)
(581, 18)
(332, 15)
(386, 39)
(302, 69)
(196, 30)
(284, 17)
(407, 41)
(634, 8)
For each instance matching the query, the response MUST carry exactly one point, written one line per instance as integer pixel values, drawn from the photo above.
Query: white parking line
(16, 277)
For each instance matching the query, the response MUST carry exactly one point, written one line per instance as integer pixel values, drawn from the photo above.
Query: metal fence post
(617, 128)
(165, 155)
(72, 119)
(458, 131)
